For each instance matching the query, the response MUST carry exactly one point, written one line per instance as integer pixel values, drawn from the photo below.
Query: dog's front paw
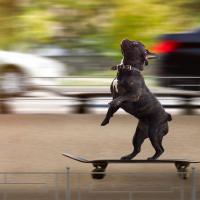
(104, 122)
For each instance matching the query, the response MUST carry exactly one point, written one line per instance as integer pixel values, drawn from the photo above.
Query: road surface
(34, 143)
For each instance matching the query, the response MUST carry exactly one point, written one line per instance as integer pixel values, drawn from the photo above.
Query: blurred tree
(99, 25)
(8, 11)
(145, 19)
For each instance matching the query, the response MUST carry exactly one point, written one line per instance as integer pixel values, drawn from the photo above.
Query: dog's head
(135, 54)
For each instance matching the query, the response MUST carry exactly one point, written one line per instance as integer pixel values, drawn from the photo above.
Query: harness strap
(125, 67)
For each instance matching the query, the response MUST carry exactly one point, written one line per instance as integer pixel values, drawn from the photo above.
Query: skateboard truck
(99, 171)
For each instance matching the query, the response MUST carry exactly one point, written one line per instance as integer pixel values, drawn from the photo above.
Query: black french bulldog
(130, 93)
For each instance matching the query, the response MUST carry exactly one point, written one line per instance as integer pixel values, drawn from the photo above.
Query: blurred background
(55, 56)
(55, 60)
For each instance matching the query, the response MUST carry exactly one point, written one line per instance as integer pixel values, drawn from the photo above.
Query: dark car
(179, 60)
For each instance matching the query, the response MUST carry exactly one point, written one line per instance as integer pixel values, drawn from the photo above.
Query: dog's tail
(169, 117)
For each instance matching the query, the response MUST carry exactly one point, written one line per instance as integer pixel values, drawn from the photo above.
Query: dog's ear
(150, 55)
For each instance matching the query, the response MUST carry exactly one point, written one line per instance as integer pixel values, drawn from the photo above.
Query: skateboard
(100, 165)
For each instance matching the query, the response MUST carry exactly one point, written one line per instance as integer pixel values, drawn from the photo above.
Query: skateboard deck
(101, 164)
(83, 160)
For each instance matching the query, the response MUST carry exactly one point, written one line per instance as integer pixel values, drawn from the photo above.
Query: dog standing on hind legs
(130, 93)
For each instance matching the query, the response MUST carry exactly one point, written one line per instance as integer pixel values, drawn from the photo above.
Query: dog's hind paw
(128, 157)
(151, 158)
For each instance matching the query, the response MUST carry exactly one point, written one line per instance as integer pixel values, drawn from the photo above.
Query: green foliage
(94, 24)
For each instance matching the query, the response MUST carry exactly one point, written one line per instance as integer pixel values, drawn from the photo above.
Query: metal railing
(80, 186)
(84, 89)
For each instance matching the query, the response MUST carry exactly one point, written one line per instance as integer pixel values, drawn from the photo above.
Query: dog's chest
(117, 87)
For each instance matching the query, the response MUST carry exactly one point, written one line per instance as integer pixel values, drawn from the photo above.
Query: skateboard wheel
(98, 173)
(184, 175)
(182, 170)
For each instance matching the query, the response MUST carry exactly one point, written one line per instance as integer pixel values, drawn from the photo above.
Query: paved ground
(35, 143)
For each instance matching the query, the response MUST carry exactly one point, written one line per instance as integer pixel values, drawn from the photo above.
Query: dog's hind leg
(157, 146)
(110, 112)
(140, 135)
(160, 143)
(156, 136)
(164, 130)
